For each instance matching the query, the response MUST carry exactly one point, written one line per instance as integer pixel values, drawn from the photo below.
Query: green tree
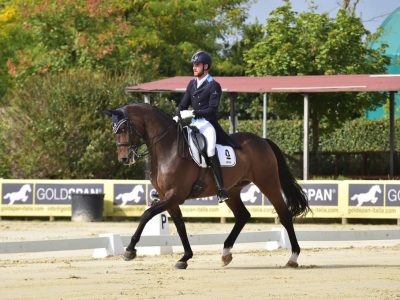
(55, 127)
(150, 38)
(12, 37)
(246, 105)
(60, 68)
(315, 44)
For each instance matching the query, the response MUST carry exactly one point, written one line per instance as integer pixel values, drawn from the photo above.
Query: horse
(132, 196)
(21, 195)
(176, 177)
(368, 196)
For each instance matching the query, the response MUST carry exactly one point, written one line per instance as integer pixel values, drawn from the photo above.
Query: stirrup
(154, 198)
(222, 196)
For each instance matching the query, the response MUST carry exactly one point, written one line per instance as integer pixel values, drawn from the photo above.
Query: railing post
(305, 137)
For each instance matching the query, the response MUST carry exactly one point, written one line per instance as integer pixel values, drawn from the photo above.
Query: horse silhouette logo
(22, 195)
(133, 196)
(251, 194)
(369, 196)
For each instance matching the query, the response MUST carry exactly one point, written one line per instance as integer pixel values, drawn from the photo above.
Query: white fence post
(157, 226)
(114, 246)
(283, 241)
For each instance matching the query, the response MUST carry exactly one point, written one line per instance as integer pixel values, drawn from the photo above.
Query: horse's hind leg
(176, 216)
(242, 215)
(271, 189)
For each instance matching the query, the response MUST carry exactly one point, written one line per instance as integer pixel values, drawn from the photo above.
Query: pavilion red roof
(284, 84)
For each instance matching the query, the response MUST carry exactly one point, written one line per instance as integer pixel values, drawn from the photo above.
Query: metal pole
(232, 127)
(265, 115)
(305, 137)
(146, 98)
(147, 166)
(391, 134)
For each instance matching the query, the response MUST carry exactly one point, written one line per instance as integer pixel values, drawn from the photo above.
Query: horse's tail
(296, 199)
(7, 196)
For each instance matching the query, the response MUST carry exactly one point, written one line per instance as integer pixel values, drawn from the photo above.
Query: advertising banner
(373, 199)
(129, 198)
(42, 198)
(327, 198)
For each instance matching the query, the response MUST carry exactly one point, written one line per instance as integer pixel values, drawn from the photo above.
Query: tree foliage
(73, 58)
(315, 44)
(56, 129)
(12, 37)
(150, 38)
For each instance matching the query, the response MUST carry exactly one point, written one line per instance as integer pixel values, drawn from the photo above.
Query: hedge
(354, 136)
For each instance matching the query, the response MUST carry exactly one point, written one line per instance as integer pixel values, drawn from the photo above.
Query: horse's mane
(158, 111)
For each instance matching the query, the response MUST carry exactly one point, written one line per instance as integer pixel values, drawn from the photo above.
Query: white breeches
(208, 131)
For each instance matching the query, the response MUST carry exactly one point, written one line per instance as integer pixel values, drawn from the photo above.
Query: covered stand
(290, 84)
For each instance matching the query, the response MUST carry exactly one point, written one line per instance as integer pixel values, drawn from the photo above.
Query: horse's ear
(108, 112)
(114, 112)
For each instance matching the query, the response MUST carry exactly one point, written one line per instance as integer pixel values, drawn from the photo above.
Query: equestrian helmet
(202, 57)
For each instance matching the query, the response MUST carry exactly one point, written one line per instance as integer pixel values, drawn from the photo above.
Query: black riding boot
(216, 169)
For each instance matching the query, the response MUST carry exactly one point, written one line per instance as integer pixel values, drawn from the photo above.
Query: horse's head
(128, 139)
(377, 188)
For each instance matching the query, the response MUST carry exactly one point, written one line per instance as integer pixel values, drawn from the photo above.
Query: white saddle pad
(226, 154)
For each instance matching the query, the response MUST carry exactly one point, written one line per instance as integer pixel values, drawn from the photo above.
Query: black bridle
(133, 150)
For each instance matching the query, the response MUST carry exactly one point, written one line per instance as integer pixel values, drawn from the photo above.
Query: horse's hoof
(292, 264)
(226, 259)
(181, 265)
(129, 255)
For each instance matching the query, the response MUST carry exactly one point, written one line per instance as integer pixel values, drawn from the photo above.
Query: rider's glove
(187, 114)
(176, 119)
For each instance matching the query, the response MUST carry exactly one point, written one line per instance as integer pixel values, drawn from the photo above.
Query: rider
(203, 93)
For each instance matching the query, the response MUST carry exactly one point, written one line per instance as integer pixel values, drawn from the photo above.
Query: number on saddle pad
(226, 154)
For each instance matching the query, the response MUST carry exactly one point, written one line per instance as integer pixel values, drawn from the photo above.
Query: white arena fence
(113, 244)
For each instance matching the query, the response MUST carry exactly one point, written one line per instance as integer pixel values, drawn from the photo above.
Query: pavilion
(290, 84)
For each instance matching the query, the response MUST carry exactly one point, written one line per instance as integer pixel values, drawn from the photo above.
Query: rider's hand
(176, 119)
(187, 114)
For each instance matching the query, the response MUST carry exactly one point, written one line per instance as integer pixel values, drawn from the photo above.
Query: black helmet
(202, 57)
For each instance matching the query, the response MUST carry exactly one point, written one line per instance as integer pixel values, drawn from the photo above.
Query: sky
(371, 12)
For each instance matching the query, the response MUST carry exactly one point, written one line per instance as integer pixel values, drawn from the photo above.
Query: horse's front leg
(176, 216)
(161, 206)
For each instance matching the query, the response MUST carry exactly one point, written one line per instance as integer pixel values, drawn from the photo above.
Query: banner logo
(129, 194)
(366, 195)
(61, 193)
(251, 195)
(321, 194)
(17, 194)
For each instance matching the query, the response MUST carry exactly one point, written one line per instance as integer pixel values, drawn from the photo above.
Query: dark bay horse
(174, 176)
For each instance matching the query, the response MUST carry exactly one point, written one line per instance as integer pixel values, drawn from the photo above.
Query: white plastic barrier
(157, 226)
(115, 243)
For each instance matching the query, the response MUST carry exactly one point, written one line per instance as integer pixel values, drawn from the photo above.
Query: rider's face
(198, 69)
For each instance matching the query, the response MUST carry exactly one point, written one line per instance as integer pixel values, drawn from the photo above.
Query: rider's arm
(185, 102)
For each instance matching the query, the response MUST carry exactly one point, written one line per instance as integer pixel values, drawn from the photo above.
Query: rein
(180, 133)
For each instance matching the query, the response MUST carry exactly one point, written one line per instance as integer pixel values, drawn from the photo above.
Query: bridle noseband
(132, 148)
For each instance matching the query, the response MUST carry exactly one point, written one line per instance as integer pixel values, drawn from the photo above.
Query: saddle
(198, 149)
